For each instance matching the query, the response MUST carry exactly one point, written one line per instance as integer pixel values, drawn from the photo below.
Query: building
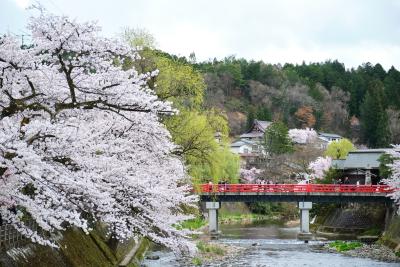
(249, 147)
(361, 165)
(329, 137)
(326, 138)
(256, 132)
(249, 152)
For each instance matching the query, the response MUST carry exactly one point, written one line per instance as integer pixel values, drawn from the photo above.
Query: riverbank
(370, 251)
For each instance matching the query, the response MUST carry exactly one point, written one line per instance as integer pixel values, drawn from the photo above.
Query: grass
(191, 224)
(209, 248)
(196, 261)
(344, 246)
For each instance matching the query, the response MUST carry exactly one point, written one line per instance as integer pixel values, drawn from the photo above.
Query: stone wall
(391, 236)
(351, 220)
(75, 249)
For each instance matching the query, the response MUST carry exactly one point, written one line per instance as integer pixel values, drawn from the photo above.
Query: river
(276, 246)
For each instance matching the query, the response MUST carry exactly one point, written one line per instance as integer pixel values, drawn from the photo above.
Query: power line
(54, 5)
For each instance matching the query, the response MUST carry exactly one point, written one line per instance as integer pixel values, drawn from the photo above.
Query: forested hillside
(362, 104)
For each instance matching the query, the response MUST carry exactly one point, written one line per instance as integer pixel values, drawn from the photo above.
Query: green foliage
(339, 149)
(375, 122)
(196, 261)
(277, 139)
(392, 85)
(138, 37)
(345, 246)
(209, 248)
(265, 207)
(384, 170)
(207, 160)
(223, 165)
(284, 210)
(397, 254)
(315, 93)
(331, 175)
(374, 231)
(250, 118)
(192, 224)
(179, 83)
(263, 114)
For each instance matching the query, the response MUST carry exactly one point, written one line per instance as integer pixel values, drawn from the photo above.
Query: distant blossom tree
(320, 166)
(249, 176)
(81, 141)
(302, 136)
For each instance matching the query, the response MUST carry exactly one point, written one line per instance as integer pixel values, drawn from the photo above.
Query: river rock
(369, 239)
(153, 257)
(255, 244)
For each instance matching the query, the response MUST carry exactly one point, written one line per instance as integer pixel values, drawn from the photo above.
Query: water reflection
(272, 231)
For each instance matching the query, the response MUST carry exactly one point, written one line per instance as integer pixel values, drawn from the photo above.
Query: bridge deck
(294, 193)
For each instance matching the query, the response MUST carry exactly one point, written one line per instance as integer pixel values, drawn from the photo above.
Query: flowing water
(276, 246)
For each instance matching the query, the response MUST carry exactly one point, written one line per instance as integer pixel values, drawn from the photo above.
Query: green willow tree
(374, 119)
(339, 149)
(193, 129)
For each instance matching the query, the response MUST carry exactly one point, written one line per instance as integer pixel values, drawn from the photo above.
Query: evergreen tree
(264, 114)
(392, 88)
(250, 118)
(277, 140)
(374, 119)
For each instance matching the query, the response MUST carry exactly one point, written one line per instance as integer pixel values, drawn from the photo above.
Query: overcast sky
(280, 31)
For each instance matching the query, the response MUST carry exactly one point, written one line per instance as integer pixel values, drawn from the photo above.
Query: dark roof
(257, 129)
(361, 159)
(329, 135)
(242, 142)
(252, 135)
(263, 125)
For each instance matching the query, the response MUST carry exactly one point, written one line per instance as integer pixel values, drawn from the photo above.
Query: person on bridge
(346, 180)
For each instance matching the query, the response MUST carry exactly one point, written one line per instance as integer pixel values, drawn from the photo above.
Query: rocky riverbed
(373, 251)
(202, 258)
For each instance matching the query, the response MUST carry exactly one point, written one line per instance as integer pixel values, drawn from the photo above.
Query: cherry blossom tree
(302, 136)
(81, 140)
(394, 179)
(320, 166)
(249, 176)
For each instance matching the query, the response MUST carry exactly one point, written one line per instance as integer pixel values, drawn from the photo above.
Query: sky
(280, 31)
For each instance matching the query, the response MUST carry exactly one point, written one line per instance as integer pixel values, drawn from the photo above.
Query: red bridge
(304, 194)
(294, 192)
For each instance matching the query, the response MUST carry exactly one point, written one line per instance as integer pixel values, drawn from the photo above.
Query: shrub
(344, 246)
(196, 261)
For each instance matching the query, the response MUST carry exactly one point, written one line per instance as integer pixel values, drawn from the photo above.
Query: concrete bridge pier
(304, 233)
(213, 218)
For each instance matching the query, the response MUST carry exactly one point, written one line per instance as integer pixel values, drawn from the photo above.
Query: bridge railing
(293, 188)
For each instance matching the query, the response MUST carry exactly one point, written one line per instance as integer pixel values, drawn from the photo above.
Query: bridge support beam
(305, 221)
(368, 177)
(213, 218)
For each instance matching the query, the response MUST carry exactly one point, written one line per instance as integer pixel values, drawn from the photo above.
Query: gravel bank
(373, 251)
